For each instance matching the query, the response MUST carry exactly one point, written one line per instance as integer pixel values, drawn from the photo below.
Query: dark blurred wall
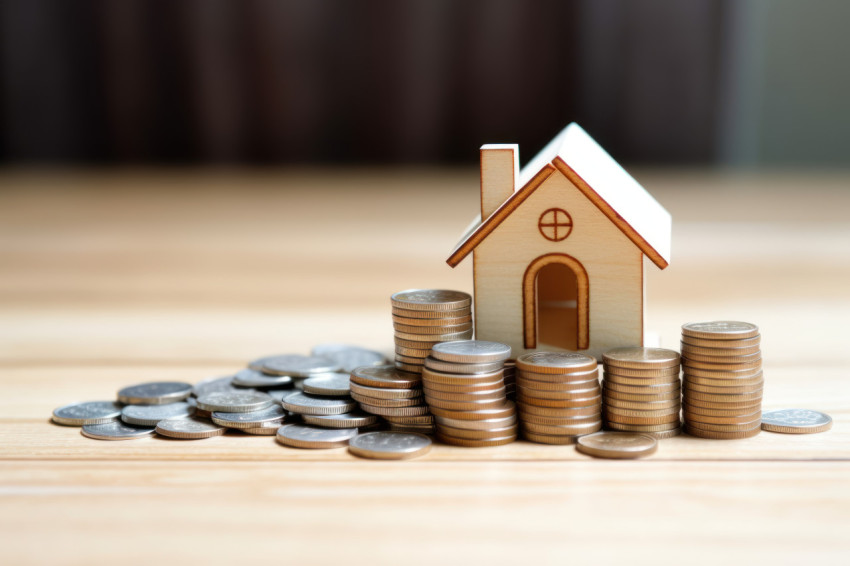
(141, 81)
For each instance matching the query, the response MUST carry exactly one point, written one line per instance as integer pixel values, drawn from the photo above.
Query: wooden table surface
(111, 278)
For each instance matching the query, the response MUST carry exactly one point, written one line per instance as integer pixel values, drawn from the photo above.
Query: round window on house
(555, 224)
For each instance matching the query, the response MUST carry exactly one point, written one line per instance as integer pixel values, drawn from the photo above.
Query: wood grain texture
(108, 279)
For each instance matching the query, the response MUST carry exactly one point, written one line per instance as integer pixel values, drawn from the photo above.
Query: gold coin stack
(425, 317)
(393, 394)
(467, 398)
(723, 379)
(558, 396)
(641, 391)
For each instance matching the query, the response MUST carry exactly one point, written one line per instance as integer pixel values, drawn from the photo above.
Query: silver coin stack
(723, 379)
(465, 389)
(641, 391)
(425, 317)
(558, 396)
(393, 394)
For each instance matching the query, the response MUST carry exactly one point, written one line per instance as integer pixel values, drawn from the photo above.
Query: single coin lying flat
(616, 445)
(116, 430)
(795, 421)
(389, 445)
(87, 413)
(190, 428)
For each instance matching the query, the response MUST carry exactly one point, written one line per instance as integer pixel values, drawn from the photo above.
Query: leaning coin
(301, 436)
(155, 393)
(305, 404)
(191, 428)
(214, 384)
(116, 430)
(328, 384)
(252, 378)
(471, 351)
(86, 413)
(268, 429)
(349, 357)
(236, 402)
(253, 419)
(616, 445)
(150, 415)
(795, 421)
(345, 420)
(386, 376)
(296, 365)
(389, 445)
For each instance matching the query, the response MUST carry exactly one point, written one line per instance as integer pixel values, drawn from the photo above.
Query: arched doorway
(556, 301)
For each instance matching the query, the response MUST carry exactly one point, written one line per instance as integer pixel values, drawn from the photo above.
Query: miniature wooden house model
(558, 250)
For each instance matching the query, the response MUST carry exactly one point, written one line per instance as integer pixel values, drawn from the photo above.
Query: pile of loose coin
(558, 396)
(723, 379)
(465, 390)
(425, 317)
(393, 394)
(641, 391)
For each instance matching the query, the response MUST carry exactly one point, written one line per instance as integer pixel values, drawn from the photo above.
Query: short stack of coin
(558, 396)
(425, 317)
(723, 379)
(465, 389)
(641, 391)
(393, 394)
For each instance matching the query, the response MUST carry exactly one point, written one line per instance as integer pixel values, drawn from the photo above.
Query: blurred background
(744, 82)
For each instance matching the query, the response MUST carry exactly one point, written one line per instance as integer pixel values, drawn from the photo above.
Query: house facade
(558, 262)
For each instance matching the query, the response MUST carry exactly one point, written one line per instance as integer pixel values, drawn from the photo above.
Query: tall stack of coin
(465, 390)
(558, 396)
(723, 379)
(641, 391)
(425, 317)
(393, 394)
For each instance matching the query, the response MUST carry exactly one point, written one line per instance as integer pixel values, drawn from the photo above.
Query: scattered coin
(616, 445)
(269, 429)
(301, 436)
(154, 393)
(349, 357)
(116, 430)
(252, 378)
(345, 420)
(389, 445)
(795, 421)
(191, 428)
(297, 365)
(253, 419)
(328, 384)
(150, 415)
(303, 403)
(87, 413)
(235, 402)
(213, 385)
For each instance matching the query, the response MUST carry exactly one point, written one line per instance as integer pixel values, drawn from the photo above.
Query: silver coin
(155, 393)
(305, 404)
(116, 430)
(721, 329)
(389, 445)
(296, 365)
(253, 378)
(150, 415)
(87, 412)
(190, 428)
(270, 430)
(235, 402)
(349, 357)
(795, 421)
(564, 360)
(257, 364)
(471, 351)
(214, 385)
(431, 299)
(278, 394)
(275, 413)
(328, 384)
(346, 420)
(301, 436)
